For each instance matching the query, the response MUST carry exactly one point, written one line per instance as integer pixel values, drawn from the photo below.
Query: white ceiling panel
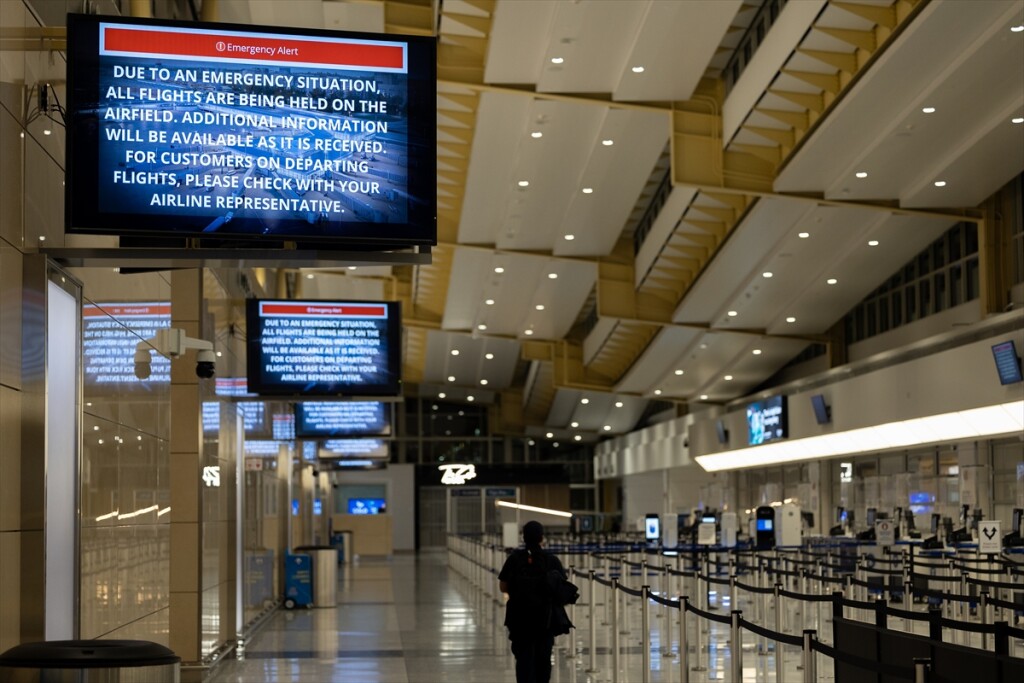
(354, 16)
(674, 44)
(464, 357)
(620, 413)
(658, 360)
(518, 41)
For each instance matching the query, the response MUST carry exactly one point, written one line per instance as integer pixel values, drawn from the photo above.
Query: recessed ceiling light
(455, 352)
(679, 372)
(570, 238)
(528, 333)
(481, 327)
(442, 395)
(584, 401)
(577, 438)
(767, 274)
(607, 143)
(804, 235)
(557, 60)
(451, 378)
(489, 302)
(831, 281)
(703, 397)
(47, 131)
(728, 378)
(1017, 29)
(352, 267)
(469, 398)
(549, 435)
(552, 276)
(539, 307)
(928, 110)
(703, 346)
(638, 69)
(574, 424)
(524, 183)
(733, 314)
(657, 392)
(872, 243)
(790, 319)
(940, 183)
(1017, 119)
(536, 134)
(489, 356)
(499, 270)
(618, 404)
(588, 190)
(861, 174)
(756, 352)
(555, 444)
(310, 276)
(607, 428)
(483, 382)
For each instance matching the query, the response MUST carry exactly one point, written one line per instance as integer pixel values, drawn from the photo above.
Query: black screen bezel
(82, 213)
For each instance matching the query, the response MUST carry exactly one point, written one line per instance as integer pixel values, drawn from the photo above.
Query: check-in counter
(371, 534)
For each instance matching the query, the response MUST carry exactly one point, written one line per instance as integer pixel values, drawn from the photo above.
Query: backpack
(563, 592)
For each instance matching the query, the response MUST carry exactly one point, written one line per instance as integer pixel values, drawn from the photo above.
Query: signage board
(885, 532)
(990, 538)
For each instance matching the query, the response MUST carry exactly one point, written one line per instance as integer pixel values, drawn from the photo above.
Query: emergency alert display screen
(220, 130)
(327, 348)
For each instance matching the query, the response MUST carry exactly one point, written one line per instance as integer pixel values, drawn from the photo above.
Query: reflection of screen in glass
(365, 506)
(110, 333)
(764, 525)
(653, 529)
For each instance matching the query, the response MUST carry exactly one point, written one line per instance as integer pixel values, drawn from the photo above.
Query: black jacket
(531, 608)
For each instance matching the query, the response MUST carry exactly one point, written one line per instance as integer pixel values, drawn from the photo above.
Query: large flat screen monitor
(323, 348)
(188, 129)
(342, 418)
(767, 420)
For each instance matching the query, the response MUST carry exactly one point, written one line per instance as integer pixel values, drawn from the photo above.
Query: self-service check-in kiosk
(764, 528)
(729, 526)
(652, 529)
(788, 531)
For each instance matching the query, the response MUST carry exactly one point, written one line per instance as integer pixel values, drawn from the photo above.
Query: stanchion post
(684, 653)
(736, 645)
(700, 646)
(810, 663)
(645, 630)
(1002, 638)
(666, 650)
(881, 615)
(593, 624)
(921, 669)
(778, 628)
(935, 623)
(572, 619)
(615, 630)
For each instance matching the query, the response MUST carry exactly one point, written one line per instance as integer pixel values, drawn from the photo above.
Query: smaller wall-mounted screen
(342, 418)
(366, 506)
(323, 348)
(721, 432)
(1007, 362)
(376, 449)
(767, 420)
(822, 411)
(262, 448)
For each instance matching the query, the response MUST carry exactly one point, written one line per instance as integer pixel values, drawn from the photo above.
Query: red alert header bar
(305, 310)
(124, 310)
(249, 48)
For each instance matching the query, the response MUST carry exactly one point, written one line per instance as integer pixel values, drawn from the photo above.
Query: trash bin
(90, 661)
(325, 574)
(342, 542)
(298, 581)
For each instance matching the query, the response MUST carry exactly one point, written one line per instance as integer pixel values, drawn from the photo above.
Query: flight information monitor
(325, 348)
(375, 449)
(342, 418)
(189, 129)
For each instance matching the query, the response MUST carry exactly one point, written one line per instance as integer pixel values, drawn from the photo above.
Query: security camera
(205, 364)
(143, 364)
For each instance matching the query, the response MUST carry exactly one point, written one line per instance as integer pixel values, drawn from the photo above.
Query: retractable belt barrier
(468, 557)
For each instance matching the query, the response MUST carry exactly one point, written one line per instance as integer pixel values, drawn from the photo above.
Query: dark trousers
(533, 657)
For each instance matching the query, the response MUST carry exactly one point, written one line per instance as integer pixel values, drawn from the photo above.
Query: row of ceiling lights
(490, 302)
(638, 69)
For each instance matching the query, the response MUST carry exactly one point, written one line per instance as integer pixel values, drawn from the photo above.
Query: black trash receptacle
(90, 661)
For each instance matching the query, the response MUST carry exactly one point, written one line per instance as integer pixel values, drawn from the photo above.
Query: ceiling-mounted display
(342, 418)
(227, 131)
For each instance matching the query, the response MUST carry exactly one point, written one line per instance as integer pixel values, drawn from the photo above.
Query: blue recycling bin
(298, 581)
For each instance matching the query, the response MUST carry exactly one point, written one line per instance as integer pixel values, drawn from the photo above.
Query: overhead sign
(845, 472)
(706, 533)
(989, 537)
(456, 475)
(211, 475)
(501, 493)
(885, 532)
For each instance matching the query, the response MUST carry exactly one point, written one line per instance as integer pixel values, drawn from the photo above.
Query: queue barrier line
(872, 665)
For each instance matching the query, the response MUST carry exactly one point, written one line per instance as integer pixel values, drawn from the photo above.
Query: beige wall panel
(12, 63)
(10, 174)
(10, 461)
(44, 197)
(185, 433)
(184, 562)
(184, 624)
(11, 293)
(10, 576)
(152, 627)
(31, 585)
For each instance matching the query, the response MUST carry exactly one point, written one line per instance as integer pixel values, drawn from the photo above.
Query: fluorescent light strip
(530, 508)
(1006, 418)
(136, 513)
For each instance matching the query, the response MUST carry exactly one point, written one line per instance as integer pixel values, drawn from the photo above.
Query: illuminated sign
(845, 472)
(211, 475)
(454, 475)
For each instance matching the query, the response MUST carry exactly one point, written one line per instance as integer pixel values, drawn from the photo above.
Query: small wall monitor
(376, 449)
(822, 411)
(1007, 362)
(203, 130)
(342, 418)
(767, 420)
(366, 506)
(652, 527)
(323, 348)
(721, 432)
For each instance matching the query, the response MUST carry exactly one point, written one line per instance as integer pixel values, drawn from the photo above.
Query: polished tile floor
(410, 619)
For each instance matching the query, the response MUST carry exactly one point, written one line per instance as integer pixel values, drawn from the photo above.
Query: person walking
(528, 613)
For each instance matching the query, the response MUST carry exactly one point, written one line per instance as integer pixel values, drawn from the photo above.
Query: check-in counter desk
(371, 534)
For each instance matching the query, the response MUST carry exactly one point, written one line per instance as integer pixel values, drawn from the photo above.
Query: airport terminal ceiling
(644, 200)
